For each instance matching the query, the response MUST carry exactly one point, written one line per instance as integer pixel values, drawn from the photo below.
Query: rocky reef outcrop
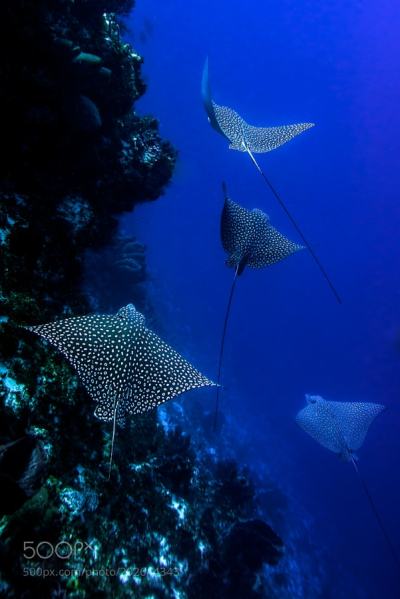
(75, 154)
(172, 522)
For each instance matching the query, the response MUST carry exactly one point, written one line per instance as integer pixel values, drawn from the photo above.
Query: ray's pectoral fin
(355, 418)
(124, 367)
(207, 100)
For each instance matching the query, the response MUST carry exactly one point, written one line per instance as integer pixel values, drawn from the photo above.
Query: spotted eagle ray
(341, 427)
(125, 367)
(247, 138)
(251, 241)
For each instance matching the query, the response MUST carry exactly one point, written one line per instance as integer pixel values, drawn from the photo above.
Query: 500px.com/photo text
(93, 572)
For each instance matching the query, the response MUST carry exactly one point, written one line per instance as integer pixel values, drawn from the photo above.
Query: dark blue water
(335, 64)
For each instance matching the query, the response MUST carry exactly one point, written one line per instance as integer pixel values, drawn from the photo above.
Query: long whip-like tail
(294, 223)
(112, 440)
(222, 347)
(377, 515)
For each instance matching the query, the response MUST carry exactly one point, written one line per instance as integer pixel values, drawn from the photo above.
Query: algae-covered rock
(87, 58)
(34, 513)
(22, 465)
(77, 156)
(84, 114)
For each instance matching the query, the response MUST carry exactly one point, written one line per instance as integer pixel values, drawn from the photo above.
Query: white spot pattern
(250, 240)
(258, 140)
(241, 135)
(339, 426)
(121, 362)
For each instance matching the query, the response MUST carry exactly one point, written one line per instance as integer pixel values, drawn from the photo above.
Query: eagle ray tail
(294, 223)
(221, 351)
(112, 440)
(377, 515)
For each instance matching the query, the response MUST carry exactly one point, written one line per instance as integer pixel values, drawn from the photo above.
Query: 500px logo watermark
(62, 549)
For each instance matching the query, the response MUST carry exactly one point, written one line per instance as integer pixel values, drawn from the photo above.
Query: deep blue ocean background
(279, 62)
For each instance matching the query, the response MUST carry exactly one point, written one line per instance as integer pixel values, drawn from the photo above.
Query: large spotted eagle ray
(251, 241)
(341, 427)
(247, 138)
(125, 367)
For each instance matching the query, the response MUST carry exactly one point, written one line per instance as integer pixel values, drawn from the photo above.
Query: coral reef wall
(75, 156)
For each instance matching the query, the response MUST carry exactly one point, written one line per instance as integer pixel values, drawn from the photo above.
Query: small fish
(341, 427)
(247, 138)
(250, 240)
(126, 368)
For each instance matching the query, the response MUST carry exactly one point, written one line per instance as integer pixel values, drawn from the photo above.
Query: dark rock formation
(75, 156)
(74, 153)
(22, 463)
(115, 273)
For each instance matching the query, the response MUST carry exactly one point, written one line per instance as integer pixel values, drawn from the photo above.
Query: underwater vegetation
(174, 521)
(76, 154)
